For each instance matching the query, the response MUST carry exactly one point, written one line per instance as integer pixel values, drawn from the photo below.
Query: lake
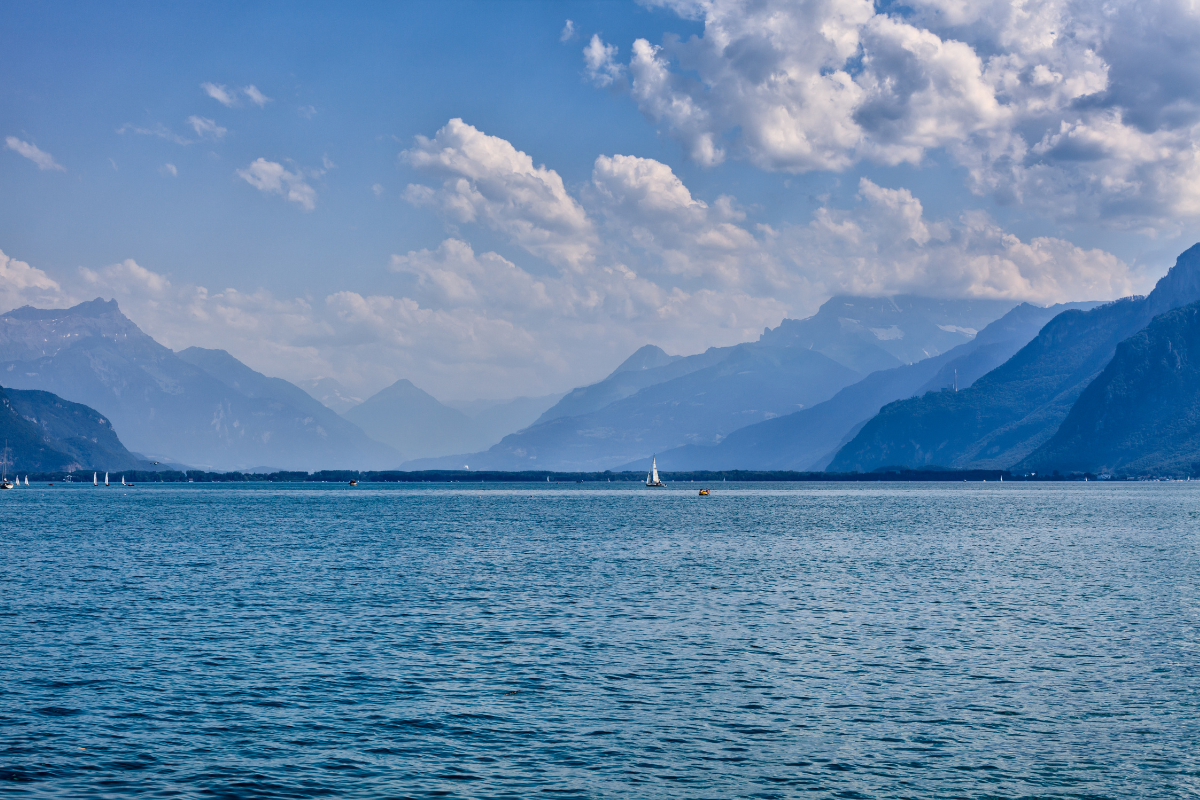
(836, 640)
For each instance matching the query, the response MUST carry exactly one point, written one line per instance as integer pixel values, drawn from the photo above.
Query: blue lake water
(800, 640)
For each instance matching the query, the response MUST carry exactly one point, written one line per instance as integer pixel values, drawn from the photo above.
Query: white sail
(26, 480)
(94, 481)
(106, 479)
(652, 475)
(122, 480)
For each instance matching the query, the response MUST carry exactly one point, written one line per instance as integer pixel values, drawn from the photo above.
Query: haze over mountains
(418, 425)
(328, 392)
(808, 439)
(1016, 408)
(200, 408)
(989, 384)
(204, 408)
(654, 401)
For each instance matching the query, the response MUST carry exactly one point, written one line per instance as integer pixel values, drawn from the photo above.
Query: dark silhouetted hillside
(48, 434)
(1142, 413)
(1013, 410)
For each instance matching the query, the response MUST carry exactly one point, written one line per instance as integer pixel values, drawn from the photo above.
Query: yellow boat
(704, 492)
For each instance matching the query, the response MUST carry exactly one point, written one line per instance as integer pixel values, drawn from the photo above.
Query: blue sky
(697, 171)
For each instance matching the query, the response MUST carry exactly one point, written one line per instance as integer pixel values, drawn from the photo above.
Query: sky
(495, 199)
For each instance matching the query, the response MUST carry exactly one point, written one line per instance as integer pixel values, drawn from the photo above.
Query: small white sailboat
(26, 480)
(652, 475)
(94, 481)
(123, 480)
(5, 483)
(106, 479)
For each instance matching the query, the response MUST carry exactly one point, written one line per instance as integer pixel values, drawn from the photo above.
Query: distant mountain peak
(646, 357)
(414, 422)
(405, 388)
(873, 333)
(91, 308)
(1180, 286)
(29, 333)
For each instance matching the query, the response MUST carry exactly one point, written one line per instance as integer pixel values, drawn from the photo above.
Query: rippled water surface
(803, 640)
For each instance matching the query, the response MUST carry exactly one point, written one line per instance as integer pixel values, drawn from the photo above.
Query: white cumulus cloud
(487, 180)
(21, 284)
(887, 245)
(272, 177)
(1087, 111)
(600, 59)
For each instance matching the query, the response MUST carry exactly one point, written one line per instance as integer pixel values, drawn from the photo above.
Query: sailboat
(26, 480)
(5, 483)
(652, 475)
(122, 480)
(94, 481)
(106, 479)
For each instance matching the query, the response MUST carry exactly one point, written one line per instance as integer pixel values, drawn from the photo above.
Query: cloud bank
(630, 256)
(1086, 111)
(595, 271)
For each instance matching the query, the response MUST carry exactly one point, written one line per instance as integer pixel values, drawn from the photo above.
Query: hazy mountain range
(204, 408)
(1008, 414)
(200, 408)
(864, 383)
(418, 425)
(654, 402)
(809, 439)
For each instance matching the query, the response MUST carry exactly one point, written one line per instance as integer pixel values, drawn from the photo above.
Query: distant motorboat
(354, 483)
(652, 475)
